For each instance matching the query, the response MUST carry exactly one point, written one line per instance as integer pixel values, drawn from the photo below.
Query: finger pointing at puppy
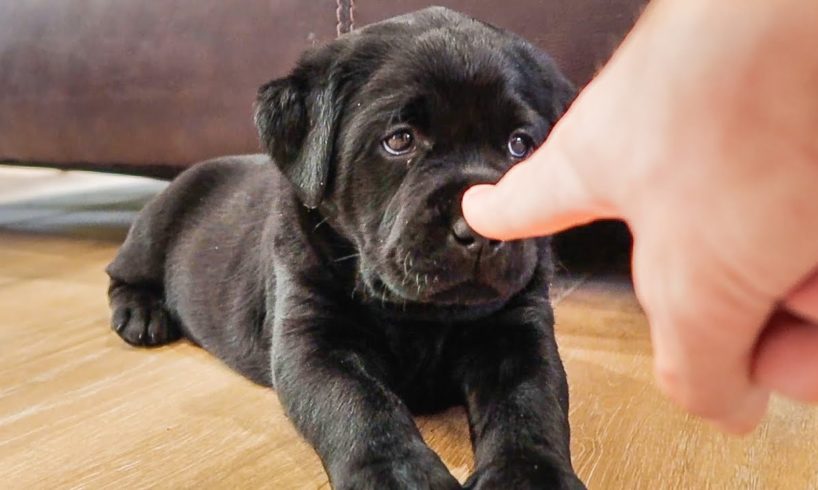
(522, 206)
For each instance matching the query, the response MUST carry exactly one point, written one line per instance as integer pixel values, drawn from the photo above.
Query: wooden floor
(80, 409)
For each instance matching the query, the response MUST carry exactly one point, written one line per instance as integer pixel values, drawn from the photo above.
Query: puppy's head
(384, 130)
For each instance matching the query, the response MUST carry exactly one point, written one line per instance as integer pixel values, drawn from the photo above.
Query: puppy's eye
(399, 143)
(520, 145)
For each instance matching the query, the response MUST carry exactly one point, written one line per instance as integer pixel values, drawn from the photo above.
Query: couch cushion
(132, 83)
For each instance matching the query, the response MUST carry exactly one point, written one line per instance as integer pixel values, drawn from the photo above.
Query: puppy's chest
(422, 365)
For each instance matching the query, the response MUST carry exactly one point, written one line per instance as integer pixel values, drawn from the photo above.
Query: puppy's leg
(517, 402)
(136, 290)
(333, 388)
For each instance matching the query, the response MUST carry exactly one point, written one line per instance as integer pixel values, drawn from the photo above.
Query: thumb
(787, 354)
(787, 358)
(540, 196)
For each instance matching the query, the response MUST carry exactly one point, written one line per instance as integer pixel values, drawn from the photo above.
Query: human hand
(702, 134)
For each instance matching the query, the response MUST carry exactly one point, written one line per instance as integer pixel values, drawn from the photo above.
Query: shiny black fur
(344, 276)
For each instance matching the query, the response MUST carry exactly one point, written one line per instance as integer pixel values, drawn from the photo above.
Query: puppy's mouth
(430, 289)
(468, 292)
(443, 278)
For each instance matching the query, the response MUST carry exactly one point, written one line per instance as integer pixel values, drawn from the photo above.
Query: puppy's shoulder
(229, 172)
(218, 184)
(229, 167)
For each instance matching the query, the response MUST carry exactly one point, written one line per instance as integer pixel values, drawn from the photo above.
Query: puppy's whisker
(347, 257)
(405, 263)
(319, 224)
(383, 296)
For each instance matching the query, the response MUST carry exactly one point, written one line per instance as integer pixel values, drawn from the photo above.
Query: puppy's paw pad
(140, 318)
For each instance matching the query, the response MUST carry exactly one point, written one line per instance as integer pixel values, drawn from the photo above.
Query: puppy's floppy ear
(564, 94)
(296, 119)
(554, 93)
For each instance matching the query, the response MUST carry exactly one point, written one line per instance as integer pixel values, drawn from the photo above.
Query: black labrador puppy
(339, 268)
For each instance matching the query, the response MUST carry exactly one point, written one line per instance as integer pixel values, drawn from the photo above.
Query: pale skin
(701, 133)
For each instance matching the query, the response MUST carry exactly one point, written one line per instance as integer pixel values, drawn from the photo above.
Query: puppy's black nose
(468, 238)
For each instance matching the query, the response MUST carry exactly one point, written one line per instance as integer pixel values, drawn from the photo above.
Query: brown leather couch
(149, 87)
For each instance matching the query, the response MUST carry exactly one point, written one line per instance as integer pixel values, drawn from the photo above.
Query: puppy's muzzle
(471, 242)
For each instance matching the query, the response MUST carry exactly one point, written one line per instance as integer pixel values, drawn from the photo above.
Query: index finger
(539, 196)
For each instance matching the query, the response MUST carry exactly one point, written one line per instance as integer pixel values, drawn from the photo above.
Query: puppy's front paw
(523, 474)
(416, 473)
(139, 317)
